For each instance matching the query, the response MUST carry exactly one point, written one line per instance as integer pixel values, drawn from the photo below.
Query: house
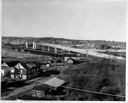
(105, 46)
(5, 70)
(40, 91)
(72, 60)
(19, 71)
(45, 66)
(115, 47)
(51, 87)
(23, 71)
(57, 62)
(11, 65)
(56, 87)
(69, 61)
(35, 69)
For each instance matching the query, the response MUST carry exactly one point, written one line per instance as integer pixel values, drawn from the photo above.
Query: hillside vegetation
(104, 75)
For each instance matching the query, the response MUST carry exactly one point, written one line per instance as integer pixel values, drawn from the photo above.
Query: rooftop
(54, 82)
(24, 65)
(31, 65)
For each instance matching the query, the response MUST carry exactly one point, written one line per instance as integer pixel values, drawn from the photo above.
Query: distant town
(62, 69)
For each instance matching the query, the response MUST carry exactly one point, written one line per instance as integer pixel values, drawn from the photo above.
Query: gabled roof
(4, 66)
(24, 65)
(54, 82)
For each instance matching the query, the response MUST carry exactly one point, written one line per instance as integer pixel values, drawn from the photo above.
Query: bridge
(63, 50)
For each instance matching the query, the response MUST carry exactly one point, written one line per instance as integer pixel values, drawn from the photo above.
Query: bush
(102, 75)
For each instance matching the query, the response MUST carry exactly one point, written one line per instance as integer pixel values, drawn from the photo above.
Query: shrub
(98, 75)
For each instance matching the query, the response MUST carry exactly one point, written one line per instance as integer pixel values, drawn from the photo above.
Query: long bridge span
(62, 50)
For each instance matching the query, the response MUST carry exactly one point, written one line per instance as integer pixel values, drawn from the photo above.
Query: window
(12, 76)
(12, 70)
(38, 91)
(21, 71)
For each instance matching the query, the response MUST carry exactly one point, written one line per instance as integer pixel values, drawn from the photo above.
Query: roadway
(32, 83)
(91, 52)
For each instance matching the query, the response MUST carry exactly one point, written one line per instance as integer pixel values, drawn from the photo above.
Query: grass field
(13, 55)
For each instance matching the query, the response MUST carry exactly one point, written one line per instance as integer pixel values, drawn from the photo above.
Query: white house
(5, 70)
(23, 71)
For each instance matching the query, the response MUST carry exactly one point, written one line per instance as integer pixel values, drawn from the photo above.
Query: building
(45, 66)
(68, 60)
(51, 87)
(115, 47)
(11, 65)
(54, 82)
(73, 60)
(23, 71)
(5, 70)
(35, 69)
(40, 91)
(104, 46)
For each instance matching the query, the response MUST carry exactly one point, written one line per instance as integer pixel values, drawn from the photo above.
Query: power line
(94, 92)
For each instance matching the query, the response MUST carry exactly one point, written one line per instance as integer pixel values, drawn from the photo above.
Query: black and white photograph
(63, 50)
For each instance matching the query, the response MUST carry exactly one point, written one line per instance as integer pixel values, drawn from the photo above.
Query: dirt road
(15, 92)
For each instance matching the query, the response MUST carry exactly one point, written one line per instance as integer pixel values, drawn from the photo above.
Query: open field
(13, 55)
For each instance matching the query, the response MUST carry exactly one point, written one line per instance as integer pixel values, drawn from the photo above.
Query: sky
(71, 19)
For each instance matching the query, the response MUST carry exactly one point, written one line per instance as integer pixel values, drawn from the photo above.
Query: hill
(65, 42)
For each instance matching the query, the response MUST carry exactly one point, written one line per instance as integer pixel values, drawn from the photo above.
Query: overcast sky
(73, 19)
